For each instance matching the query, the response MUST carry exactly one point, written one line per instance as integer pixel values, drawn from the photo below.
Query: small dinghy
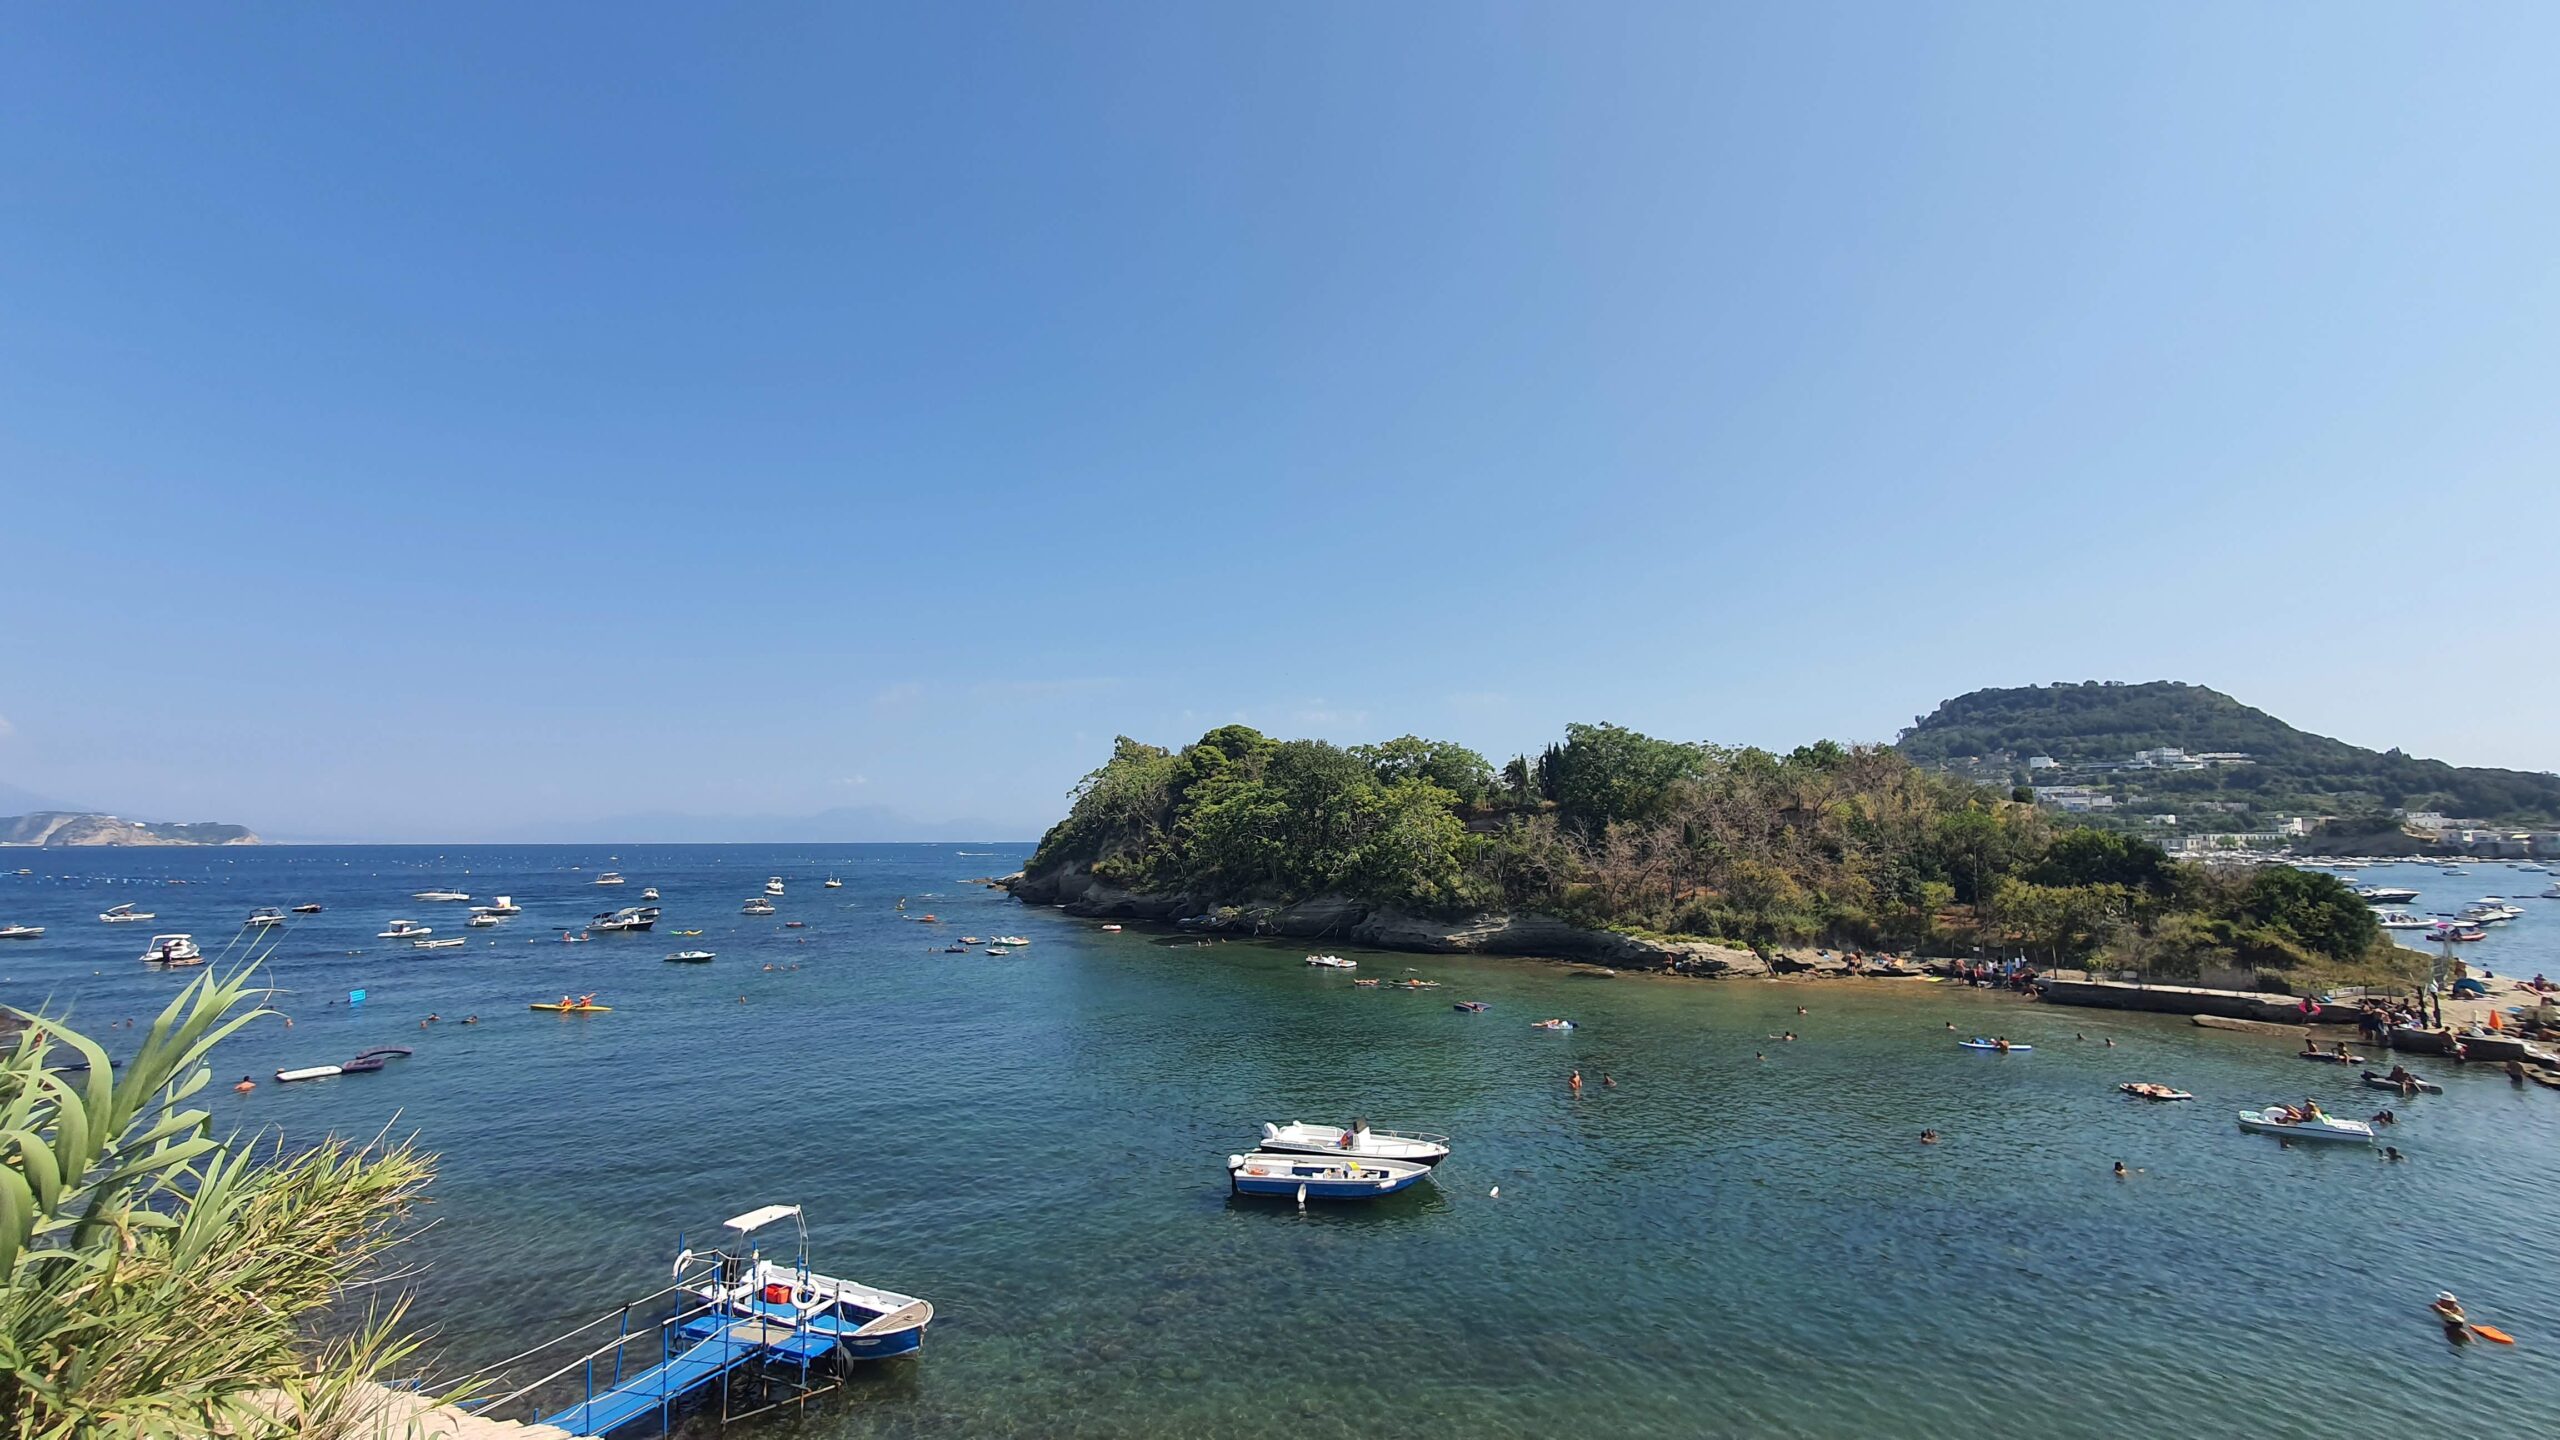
(1359, 1142)
(2275, 1121)
(2144, 1090)
(692, 957)
(1995, 1047)
(1315, 1177)
(2404, 1085)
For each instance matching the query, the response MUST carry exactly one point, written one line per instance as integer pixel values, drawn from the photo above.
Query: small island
(58, 829)
(1619, 847)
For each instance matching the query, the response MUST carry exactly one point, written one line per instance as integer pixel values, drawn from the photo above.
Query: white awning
(755, 1220)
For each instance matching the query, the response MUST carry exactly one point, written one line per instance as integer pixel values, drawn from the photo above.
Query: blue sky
(458, 421)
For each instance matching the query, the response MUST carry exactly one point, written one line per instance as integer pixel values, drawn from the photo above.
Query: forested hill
(2288, 769)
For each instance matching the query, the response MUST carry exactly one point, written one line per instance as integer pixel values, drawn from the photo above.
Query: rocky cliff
(58, 828)
(1074, 887)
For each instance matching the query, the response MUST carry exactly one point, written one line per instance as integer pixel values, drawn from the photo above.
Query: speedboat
(306, 909)
(2386, 894)
(773, 886)
(2273, 1121)
(692, 957)
(438, 895)
(2400, 920)
(21, 932)
(481, 920)
(172, 950)
(636, 917)
(124, 914)
(260, 919)
(757, 906)
(1359, 1142)
(831, 883)
(1333, 962)
(864, 1322)
(649, 894)
(1316, 1177)
(608, 878)
(406, 930)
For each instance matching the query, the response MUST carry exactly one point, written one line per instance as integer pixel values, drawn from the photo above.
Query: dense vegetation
(2292, 771)
(156, 1280)
(1850, 844)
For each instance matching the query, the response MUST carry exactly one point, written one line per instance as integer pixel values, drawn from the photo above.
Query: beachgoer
(1928, 1137)
(246, 1085)
(2119, 1169)
(1576, 1082)
(2392, 1152)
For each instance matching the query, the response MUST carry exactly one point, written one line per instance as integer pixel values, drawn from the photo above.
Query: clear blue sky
(434, 422)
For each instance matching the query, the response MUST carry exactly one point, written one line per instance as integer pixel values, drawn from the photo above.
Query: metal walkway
(654, 1392)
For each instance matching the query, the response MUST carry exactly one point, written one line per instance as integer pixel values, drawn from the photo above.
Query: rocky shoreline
(1343, 920)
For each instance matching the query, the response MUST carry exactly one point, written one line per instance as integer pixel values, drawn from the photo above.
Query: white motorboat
(261, 919)
(831, 883)
(649, 894)
(2400, 920)
(1014, 940)
(865, 1322)
(1359, 1142)
(124, 914)
(773, 886)
(2386, 894)
(405, 930)
(1333, 962)
(503, 905)
(438, 895)
(757, 906)
(635, 917)
(481, 920)
(172, 950)
(2273, 1121)
(454, 942)
(2491, 911)
(692, 957)
(2553, 893)
(306, 909)
(21, 932)
(609, 878)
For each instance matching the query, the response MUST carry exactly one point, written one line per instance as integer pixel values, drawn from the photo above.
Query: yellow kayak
(572, 1009)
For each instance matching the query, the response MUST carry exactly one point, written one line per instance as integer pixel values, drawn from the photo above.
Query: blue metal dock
(654, 1393)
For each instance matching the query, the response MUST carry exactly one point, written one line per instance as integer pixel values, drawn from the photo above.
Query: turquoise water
(1721, 1245)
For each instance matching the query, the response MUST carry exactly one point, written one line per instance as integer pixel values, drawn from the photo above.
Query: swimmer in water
(246, 1085)
(2119, 1169)
(1928, 1137)
(1576, 1082)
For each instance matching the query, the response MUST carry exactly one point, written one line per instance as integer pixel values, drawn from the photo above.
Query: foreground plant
(158, 1281)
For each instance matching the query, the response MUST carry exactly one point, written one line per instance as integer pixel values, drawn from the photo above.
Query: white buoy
(1302, 1197)
(1495, 1193)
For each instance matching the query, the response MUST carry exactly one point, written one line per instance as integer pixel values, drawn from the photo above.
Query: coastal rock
(56, 828)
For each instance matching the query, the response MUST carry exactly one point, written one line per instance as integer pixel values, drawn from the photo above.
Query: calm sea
(1723, 1244)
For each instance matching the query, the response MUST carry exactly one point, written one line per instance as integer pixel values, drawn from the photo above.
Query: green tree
(1606, 774)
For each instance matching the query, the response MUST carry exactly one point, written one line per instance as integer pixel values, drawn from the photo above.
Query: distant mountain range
(2086, 728)
(56, 829)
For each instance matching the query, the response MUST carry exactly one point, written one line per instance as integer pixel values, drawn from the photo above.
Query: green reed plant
(156, 1280)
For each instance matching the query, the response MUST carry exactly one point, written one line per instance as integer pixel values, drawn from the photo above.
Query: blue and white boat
(858, 1321)
(1315, 1177)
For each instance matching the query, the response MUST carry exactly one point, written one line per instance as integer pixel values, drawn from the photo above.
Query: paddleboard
(1987, 1045)
(310, 1072)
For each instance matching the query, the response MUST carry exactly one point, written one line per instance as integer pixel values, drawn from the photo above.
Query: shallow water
(1722, 1244)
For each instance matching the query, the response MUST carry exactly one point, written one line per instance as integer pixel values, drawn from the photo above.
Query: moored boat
(21, 932)
(773, 886)
(453, 942)
(438, 895)
(629, 918)
(757, 906)
(172, 950)
(1332, 962)
(306, 909)
(2275, 1120)
(124, 914)
(1359, 1142)
(263, 918)
(865, 1321)
(1315, 1177)
(692, 957)
(609, 877)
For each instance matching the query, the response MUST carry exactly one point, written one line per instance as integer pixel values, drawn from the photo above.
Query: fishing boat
(124, 914)
(450, 943)
(2146, 1091)
(2274, 1121)
(406, 930)
(758, 906)
(1311, 1177)
(172, 951)
(2405, 1084)
(306, 909)
(1995, 1047)
(1332, 962)
(692, 957)
(609, 877)
(438, 895)
(630, 918)
(831, 883)
(263, 918)
(864, 1321)
(773, 886)
(1359, 1142)
(21, 932)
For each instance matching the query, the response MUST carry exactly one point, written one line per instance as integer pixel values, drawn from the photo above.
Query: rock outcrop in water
(1074, 887)
(55, 829)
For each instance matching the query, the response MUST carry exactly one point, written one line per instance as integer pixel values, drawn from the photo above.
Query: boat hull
(1285, 1176)
(2346, 1132)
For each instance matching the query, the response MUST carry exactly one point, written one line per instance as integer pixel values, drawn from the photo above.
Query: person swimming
(246, 1085)
(2120, 1171)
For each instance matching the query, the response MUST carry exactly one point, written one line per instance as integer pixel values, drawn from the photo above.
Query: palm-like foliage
(156, 1280)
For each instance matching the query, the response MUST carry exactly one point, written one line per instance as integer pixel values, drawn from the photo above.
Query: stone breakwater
(1346, 921)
